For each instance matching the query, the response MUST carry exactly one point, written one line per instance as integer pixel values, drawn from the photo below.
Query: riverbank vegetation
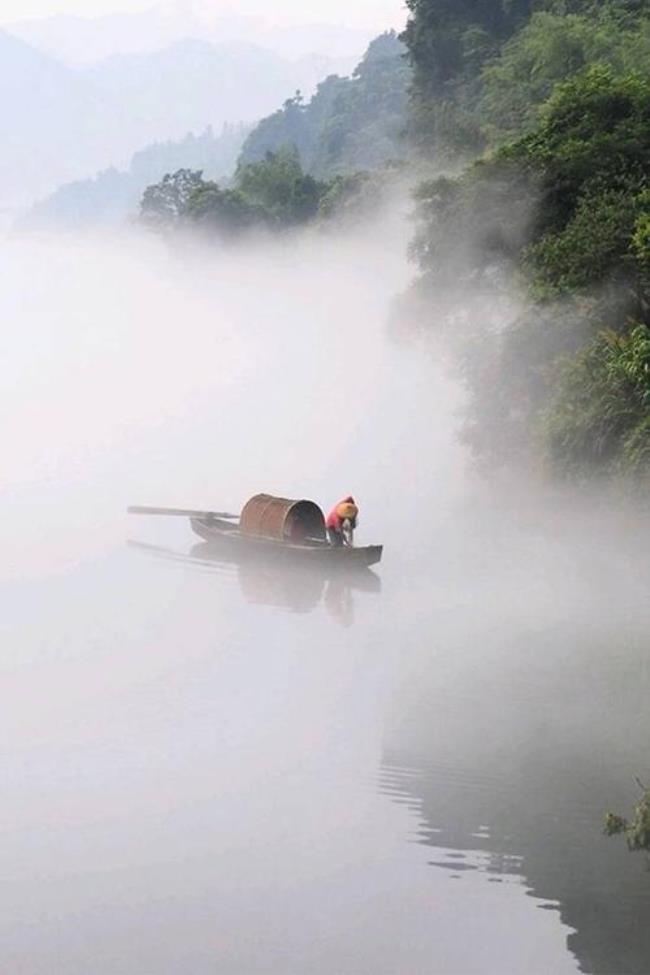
(547, 106)
(637, 830)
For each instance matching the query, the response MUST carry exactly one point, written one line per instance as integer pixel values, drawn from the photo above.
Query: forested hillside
(350, 124)
(537, 257)
(333, 157)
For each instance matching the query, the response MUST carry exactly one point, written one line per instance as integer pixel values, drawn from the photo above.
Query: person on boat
(342, 521)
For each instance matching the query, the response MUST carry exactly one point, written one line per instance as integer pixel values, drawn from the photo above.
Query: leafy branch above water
(637, 830)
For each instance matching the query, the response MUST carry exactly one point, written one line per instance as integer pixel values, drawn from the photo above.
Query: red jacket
(334, 521)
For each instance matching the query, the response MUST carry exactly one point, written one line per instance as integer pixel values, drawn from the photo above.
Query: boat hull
(228, 538)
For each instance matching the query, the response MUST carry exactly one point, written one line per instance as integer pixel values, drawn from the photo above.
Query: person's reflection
(339, 600)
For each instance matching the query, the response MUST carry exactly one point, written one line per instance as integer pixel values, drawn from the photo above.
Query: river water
(217, 768)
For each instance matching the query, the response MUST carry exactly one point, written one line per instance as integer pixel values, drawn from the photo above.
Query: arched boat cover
(282, 519)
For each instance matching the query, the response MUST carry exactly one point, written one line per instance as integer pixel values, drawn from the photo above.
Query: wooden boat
(314, 551)
(274, 528)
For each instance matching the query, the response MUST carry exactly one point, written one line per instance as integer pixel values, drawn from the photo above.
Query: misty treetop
(184, 199)
(278, 184)
(350, 124)
(273, 194)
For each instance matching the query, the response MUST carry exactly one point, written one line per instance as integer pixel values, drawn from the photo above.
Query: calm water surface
(217, 768)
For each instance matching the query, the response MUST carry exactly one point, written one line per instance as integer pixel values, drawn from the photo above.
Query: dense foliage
(549, 49)
(599, 417)
(449, 42)
(274, 194)
(482, 68)
(278, 184)
(558, 215)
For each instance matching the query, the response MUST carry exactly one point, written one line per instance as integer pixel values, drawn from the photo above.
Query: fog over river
(212, 768)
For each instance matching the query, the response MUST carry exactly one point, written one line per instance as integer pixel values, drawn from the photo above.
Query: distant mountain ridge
(80, 41)
(60, 124)
(42, 104)
(351, 124)
(193, 83)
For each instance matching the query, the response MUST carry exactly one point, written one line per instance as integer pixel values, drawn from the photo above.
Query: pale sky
(355, 13)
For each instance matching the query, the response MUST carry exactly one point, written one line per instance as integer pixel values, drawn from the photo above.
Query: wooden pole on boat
(178, 512)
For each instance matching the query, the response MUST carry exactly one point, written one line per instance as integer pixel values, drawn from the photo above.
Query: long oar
(179, 512)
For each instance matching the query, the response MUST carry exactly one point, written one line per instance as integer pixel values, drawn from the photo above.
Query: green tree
(356, 197)
(482, 68)
(549, 49)
(636, 831)
(290, 126)
(449, 42)
(165, 204)
(272, 194)
(224, 213)
(590, 159)
(279, 185)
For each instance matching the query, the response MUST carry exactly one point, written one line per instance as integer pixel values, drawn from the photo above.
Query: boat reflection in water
(298, 589)
(293, 588)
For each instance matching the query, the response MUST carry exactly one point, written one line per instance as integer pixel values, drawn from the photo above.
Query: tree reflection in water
(510, 750)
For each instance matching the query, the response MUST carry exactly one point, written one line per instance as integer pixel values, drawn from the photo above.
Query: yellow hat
(347, 510)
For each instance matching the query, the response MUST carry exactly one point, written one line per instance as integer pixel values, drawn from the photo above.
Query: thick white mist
(192, 777)
(134, 373)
